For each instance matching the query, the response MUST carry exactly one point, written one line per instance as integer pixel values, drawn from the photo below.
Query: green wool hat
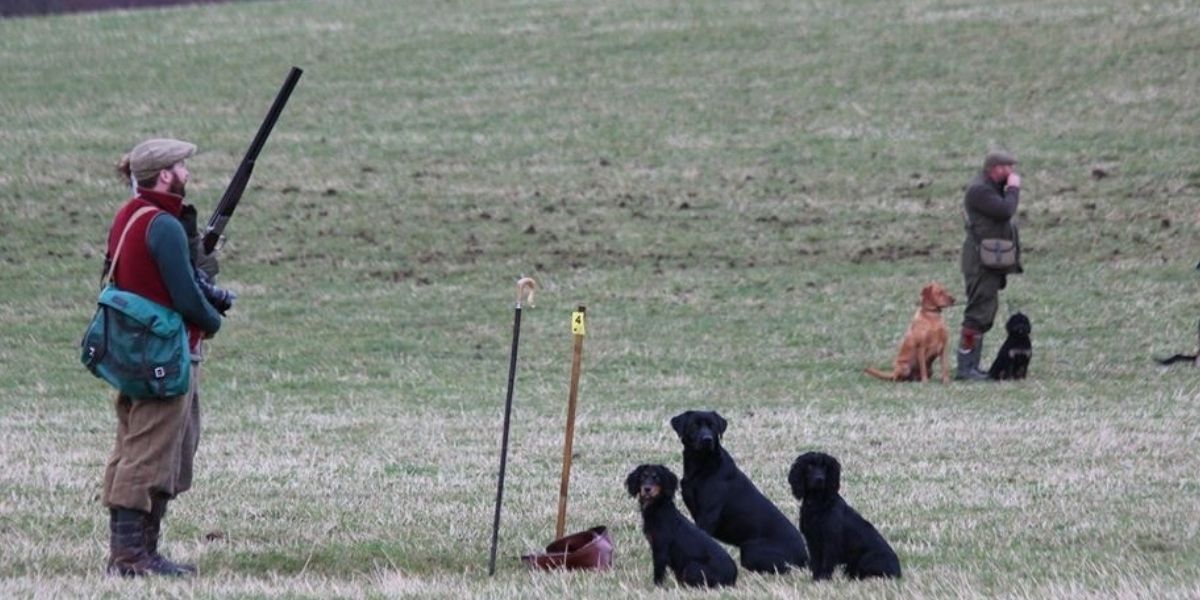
(998, 157)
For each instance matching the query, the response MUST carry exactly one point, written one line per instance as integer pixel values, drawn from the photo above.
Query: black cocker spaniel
(1012, 362)
(695, 558)
(836, 533)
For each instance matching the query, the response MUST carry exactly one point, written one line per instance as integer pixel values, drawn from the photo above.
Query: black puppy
(725, 503)
(836, 533)
(1012, 362)
(695, 558)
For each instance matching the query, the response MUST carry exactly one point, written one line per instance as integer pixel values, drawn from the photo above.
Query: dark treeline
(17, 8)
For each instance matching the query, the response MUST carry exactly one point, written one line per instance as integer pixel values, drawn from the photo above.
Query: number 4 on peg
(578, 325)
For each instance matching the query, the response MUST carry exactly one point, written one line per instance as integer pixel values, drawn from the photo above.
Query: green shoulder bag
(138, 346)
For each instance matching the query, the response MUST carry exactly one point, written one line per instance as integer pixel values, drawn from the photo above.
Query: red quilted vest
(136, 270)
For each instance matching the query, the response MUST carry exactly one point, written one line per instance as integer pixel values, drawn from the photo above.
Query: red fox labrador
(924, 341)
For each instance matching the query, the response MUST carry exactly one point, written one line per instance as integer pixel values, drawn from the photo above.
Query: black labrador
(1012, 362)
(725, 503)
(836, 533)
(695, 558)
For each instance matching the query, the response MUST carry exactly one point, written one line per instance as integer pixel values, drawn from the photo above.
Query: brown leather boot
(127, 547)
(158, 509)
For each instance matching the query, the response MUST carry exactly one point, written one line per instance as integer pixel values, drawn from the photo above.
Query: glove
(221, 298)
(203, 262)
(187, 218)
(206, 263)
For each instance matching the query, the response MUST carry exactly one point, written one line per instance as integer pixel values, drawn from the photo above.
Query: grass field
(746, 195)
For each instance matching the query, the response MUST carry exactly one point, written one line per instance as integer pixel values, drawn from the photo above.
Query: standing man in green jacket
(989, 210)
(152, 457)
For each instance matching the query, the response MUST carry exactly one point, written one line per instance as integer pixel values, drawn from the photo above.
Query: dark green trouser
(983, 298)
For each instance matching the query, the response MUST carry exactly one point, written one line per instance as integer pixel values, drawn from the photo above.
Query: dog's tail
(880, 374)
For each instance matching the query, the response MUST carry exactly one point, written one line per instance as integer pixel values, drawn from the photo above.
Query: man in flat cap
(151, 461)
(990, 252)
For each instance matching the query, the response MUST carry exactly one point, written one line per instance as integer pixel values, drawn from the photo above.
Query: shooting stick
(525, 288)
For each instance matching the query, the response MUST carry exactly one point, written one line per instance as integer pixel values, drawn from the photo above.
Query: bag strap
(970, 227)
(112, 269)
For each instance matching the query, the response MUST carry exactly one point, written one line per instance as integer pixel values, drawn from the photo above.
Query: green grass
(747, 196)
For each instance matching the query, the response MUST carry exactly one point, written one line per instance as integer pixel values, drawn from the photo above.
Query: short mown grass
(747, 196)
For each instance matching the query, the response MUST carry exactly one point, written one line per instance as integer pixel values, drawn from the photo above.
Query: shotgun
(237, 185)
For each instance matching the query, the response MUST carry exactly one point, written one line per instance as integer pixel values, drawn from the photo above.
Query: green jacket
(989, 212)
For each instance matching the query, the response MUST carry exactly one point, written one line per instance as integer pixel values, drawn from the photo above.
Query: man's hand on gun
(221, 298)
(206, 265)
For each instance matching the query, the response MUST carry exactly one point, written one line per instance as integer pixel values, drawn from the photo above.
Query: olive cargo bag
(997, 253)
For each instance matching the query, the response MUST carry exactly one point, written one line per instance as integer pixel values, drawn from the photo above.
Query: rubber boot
(158, 509)
(969, 351)
(127, 547)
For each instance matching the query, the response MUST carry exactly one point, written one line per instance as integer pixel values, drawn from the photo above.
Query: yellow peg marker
(578, 325)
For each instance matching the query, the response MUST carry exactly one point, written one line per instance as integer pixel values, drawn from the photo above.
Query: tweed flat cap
(151, 156)
(998, 157)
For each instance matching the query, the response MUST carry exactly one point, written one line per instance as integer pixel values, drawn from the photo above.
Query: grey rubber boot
(968, 362)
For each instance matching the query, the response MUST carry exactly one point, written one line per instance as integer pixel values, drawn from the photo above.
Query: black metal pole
(522, 286)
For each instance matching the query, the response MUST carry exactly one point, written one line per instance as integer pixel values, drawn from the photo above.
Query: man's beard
(177, 187)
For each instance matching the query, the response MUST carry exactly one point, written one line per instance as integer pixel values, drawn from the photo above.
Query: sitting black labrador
(1012, 362)
(836, 533)
(725, 503)
(695, 558)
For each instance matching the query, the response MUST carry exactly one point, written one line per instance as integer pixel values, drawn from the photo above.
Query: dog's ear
(719, 423)
(927, 295)
(796, 477)
(667, 481)
(833, 477)
(634, 481)
(679, 422)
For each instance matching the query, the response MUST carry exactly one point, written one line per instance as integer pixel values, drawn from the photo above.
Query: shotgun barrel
(237, 185)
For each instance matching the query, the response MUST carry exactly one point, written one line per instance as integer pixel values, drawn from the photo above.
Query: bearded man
(152, 458)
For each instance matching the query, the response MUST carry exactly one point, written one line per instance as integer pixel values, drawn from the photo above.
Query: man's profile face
(176, 179)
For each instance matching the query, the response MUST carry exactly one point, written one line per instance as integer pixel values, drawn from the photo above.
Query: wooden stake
(579, 329)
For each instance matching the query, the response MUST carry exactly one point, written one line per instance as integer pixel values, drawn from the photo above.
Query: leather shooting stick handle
(525, 288)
